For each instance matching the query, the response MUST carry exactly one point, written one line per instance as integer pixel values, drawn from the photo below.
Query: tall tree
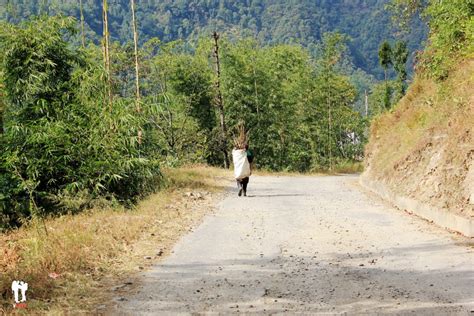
(220, 102)
(385, 57)
(385, 60)
(332, 52)
(400, 57)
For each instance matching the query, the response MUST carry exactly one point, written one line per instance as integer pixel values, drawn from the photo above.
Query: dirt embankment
(423, 150)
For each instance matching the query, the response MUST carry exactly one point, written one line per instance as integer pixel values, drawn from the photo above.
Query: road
(313, 245)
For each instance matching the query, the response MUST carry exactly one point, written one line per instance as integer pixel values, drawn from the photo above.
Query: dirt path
(311, 245)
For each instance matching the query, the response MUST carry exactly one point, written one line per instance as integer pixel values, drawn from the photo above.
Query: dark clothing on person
(242, 184)
(249, 156)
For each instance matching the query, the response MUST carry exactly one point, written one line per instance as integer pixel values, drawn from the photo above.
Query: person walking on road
(242, 158)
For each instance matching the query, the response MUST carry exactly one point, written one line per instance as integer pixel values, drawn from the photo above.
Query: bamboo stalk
(106, 51)
(82, 25)
(135, 41)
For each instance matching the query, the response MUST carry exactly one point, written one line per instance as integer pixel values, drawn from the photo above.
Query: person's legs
(239, 185)
(245, 182)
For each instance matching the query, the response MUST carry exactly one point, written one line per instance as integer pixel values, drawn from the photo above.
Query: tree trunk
(329, 128)
(387, 94)
(135, 41)
(256, 92)
(220, 103)
(106, 51)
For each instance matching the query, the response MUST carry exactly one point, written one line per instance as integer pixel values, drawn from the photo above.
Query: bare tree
(219, 102)
(329, 129)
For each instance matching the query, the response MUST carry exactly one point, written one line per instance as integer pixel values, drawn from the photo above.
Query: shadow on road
(274, 195)
(303, 284)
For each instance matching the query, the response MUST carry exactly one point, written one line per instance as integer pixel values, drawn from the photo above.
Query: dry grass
(423, 148)
(428, 108)
(349, 167)
(343, 167)
(96, 249)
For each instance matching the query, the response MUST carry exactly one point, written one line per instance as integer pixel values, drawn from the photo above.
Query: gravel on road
(313, 245)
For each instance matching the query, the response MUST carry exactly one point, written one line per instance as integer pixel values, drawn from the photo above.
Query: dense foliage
(451, 35)
(450, 40)
(64, 145)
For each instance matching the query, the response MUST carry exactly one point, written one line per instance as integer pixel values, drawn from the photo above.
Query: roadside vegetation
(95, 137)
(423, 147)
(72, 262)
(81, 128)
(443, 82)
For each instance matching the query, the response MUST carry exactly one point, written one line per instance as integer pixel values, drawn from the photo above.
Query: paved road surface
(314, 245)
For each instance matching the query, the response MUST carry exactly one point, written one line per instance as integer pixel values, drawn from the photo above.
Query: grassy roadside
(72, 265)
(77, 264)
(338, 168)
(428, 108)
(423, 147)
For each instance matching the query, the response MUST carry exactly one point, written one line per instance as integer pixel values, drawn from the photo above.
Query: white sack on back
(241, 164)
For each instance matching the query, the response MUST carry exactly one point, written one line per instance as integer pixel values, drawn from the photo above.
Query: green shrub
(451, 34)
(61, 138)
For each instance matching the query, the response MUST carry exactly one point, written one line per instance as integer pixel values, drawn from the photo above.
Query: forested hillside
(367, 22)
